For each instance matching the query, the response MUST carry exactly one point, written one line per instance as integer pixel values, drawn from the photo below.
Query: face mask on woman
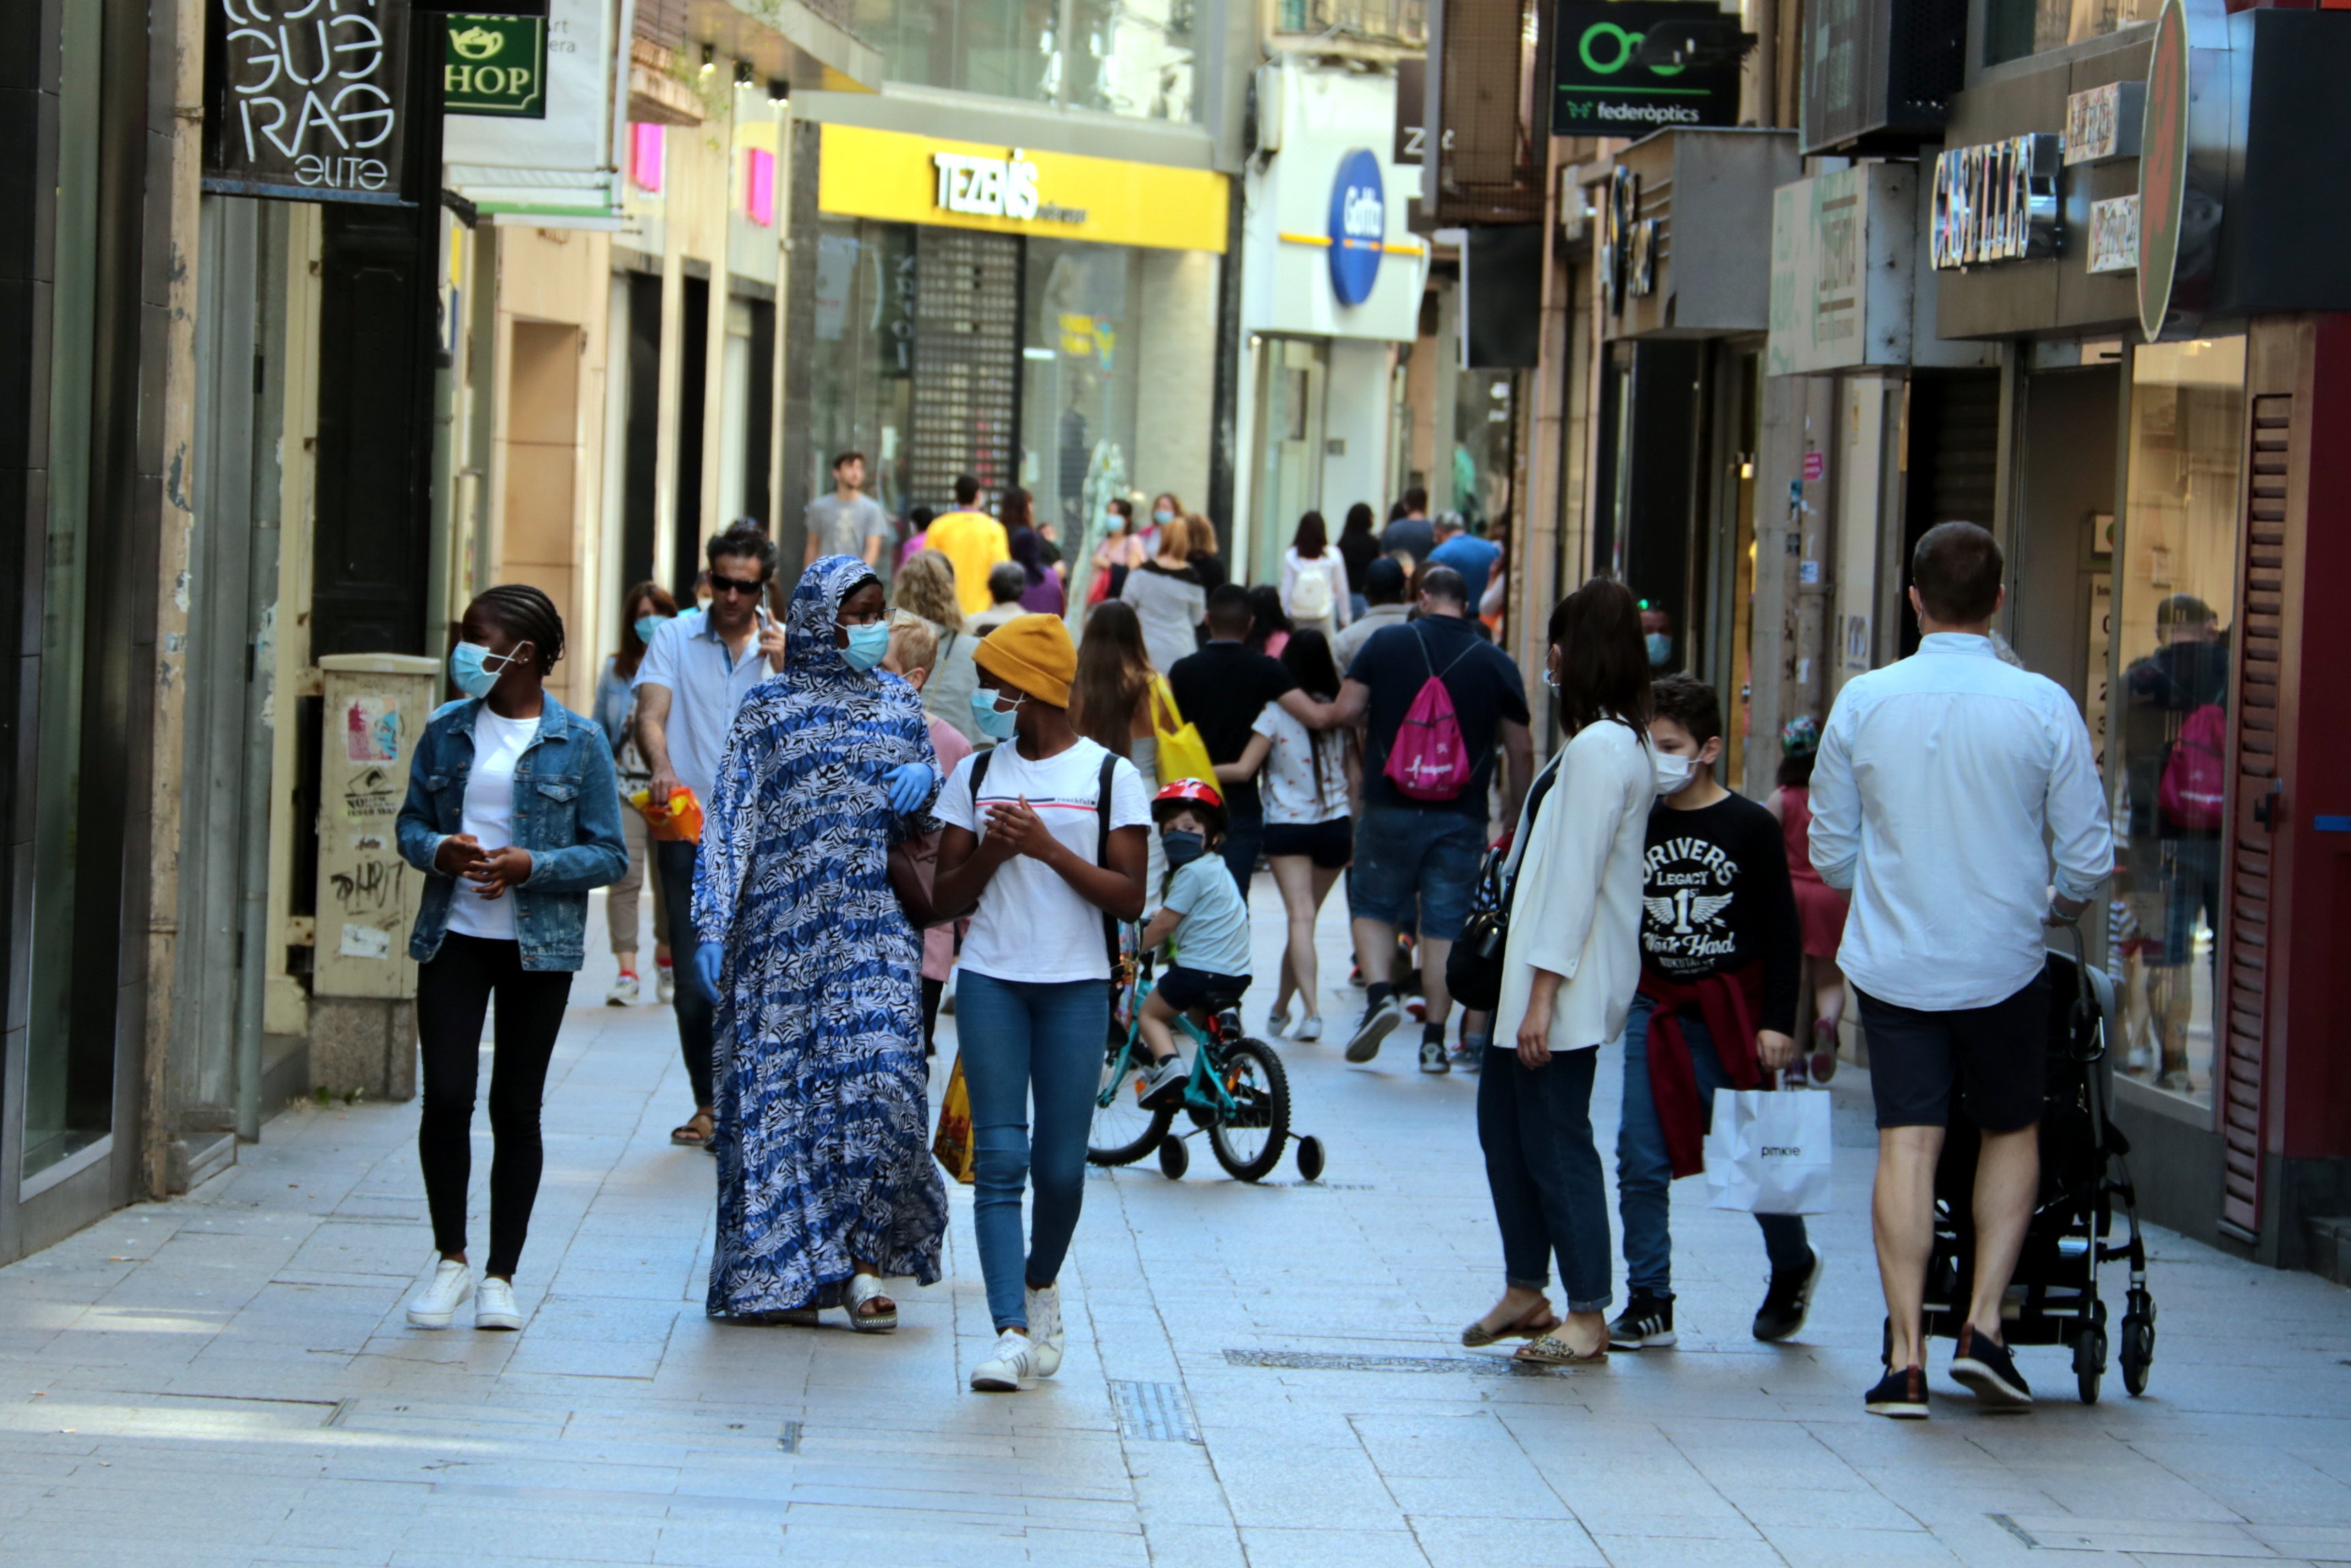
(1162, 517)
(476, 669)
(1661, 648)
(995, 723)
(868, 645)
(1675, 773)
(647, 625)
(1182, 847)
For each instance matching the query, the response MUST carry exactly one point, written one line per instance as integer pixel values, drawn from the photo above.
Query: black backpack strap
(978, 772)
(1102, 847)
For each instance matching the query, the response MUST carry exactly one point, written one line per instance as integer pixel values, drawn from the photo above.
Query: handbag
(1769, 1151)
(951, 1144)
(1181, 753)
(1473, 969)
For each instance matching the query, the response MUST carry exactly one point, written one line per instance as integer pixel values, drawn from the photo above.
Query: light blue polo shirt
(707, 684)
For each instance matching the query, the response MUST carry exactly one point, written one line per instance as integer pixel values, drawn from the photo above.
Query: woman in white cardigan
(1569, 971)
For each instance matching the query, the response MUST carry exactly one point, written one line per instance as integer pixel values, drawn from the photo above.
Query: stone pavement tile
(2262, 1481)
(1275, 1484)
(2319, 1544)
(1194, 1546)
(720, 1543)
(1358, 1548)
(1831, 1546)
(1454, 1543)
(1676, 1551)
(1175, 1486)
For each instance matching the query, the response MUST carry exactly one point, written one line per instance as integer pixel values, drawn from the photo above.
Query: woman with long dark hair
(1358, 547)
(1043, 593)
(1315, 592)
(1569, 967)
(1269, 622)
(1309, 836)
(513, 815)
(1111, 701)
(643, 611)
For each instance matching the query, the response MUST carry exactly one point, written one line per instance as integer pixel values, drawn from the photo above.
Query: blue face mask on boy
(1182, 847)
(868, 645)
(476, 670)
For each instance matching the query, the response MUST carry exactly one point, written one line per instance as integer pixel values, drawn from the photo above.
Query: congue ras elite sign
(307, 104)
(1358, 227)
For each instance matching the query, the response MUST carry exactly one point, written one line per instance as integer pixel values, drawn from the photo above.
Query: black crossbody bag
(1473, 969)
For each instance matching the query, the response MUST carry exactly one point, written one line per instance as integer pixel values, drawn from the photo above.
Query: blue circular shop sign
(1358, 225)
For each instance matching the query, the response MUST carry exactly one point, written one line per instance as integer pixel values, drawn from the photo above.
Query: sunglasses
(729, 585)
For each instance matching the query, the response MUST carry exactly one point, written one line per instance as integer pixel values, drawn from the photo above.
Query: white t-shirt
(1292, 766)
(499, 745)
(1030, 924)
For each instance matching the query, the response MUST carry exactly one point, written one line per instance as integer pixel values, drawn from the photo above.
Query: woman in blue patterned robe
(825, 1177)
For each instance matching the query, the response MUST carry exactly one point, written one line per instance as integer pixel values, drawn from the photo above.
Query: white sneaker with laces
(624, 993)
(1014, 1358)
(453, 1284)
(1310, 1029)
(1046, 1331)
(493, 1305)
(665, 984)
(1277, 1023)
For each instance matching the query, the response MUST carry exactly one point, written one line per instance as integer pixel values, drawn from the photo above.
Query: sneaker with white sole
(1046, 1330)
(624, 993)
(1380, 1020)
(1646, 1323)
(1277, 1023)
(494, 1304)
(665, 984)
(452, 1287)
(1433, 1055)
(1013, 1359)
(1163, 1083)
(1310, 1029)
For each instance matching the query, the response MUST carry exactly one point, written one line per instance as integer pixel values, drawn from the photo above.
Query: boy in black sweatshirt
(1721, 953)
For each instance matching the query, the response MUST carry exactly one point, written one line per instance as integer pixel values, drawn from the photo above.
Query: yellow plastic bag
(676, 821)
(1181, 753)
(951, 1144)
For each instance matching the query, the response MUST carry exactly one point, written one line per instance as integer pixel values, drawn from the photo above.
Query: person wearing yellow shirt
(972, 541)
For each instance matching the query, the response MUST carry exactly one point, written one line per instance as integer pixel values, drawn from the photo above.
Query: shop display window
(2015, 28)
(863, 361)
(1122, 57)
(2174, 622)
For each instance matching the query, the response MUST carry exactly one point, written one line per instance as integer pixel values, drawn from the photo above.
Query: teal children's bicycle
(1238, 1094)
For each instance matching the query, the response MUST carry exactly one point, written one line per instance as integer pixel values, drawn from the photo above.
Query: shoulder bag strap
(1104, 787)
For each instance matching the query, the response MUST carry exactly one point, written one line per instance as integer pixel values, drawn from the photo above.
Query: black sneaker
(1380, 1019)
(1787, 1304)
(1433, 1057)
(1163, 1084)
(1901, 1395)
(1985, 1369)
(1646, 1323)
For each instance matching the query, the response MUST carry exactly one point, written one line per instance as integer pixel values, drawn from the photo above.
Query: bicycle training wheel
(1123, 1130)
(1250, 1139)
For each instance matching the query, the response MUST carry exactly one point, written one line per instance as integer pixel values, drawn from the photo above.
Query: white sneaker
(453, 1283)
(1277, 1023)
(665, 984)
(1014, 1358)
(1046, 1331)
(493, 1305)
(624, 993)
(1310, 1029)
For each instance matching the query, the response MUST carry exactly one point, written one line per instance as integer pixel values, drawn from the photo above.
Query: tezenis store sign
(1599, 86)
(306, 102)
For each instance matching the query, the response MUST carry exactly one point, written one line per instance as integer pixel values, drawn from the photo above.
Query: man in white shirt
(1944, 786)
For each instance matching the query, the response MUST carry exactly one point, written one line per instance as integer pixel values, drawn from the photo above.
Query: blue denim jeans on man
(1644, 1172)
(1416, 868)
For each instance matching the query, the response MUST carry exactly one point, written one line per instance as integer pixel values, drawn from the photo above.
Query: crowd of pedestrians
(894, 787)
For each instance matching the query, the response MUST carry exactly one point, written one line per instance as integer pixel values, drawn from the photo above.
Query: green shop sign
(496, 66)
(1599, 86)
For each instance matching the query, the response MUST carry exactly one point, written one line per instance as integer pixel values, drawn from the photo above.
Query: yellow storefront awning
(898, 177)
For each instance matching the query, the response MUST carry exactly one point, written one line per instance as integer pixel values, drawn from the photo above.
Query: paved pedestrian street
(1266, 1375)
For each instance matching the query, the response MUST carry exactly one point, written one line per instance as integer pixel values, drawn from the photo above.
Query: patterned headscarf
(1799, 735)
(810, 655)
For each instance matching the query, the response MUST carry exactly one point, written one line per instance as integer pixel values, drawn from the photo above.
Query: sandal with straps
(864, 1288)
(1550, 1350)
(1534, 1323)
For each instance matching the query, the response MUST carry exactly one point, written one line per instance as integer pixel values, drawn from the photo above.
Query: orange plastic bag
(677, 821)
(951, 1145)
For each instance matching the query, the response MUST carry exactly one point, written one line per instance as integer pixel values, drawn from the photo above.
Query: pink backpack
(2196, 777)
(1430, 760)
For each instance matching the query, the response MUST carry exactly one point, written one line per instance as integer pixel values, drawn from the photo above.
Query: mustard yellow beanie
(1035, 654)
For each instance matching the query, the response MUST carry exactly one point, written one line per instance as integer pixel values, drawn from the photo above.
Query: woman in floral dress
(826, 1185)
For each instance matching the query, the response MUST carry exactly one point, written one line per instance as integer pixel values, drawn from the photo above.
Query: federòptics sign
(1600, 87)
(1358, 227)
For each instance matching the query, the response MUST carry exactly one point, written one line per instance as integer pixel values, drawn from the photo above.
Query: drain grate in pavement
(788, 1440)
(1154, 1412)
(1325, 1361)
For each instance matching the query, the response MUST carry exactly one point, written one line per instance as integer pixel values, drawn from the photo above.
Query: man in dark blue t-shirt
(1416, 862)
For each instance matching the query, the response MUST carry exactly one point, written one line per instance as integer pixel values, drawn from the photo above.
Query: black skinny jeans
(698, 1015)
(452, 992)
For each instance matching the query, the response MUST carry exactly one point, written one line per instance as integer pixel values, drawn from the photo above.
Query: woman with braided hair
(513, 815)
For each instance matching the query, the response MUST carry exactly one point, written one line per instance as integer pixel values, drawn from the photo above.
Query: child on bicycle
(1200, 902)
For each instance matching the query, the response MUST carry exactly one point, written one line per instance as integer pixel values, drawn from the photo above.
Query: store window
(863, 368)
(2174, 620)
(1122, 57)
(2015, 28)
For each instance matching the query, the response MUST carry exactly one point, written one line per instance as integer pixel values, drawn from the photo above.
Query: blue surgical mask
(995, 723)
(1661, 649)
(1182, 847)
(647, 625)
(868, 645)
(1162, 517)
(476, 669)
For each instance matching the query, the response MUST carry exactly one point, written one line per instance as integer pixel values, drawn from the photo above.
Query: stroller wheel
(2138, 1351)
(2089, 1363)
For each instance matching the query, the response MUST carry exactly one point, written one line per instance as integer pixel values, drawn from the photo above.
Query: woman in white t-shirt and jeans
(1309, 835)
(1033, 1003)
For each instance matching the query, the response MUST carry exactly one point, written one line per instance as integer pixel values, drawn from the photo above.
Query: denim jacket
(567, 814)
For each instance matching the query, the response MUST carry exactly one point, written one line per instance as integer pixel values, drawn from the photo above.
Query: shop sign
(1843, 253)
(2103, 123)
(1600, 88)
(1997, 202)
(495, 65)
(2114, 235)
(1358, 227)
(988, 187)
(306, 105)
(2183, 167)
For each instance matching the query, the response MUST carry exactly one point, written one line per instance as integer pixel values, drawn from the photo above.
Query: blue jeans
(1019, 1039)
(695, 1012)
(1535, 1125)
(1644, 1172)
(1416, 868)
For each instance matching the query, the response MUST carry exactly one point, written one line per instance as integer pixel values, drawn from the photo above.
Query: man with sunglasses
(695, 673)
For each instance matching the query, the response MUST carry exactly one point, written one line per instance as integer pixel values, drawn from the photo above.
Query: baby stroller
(2054, 1296)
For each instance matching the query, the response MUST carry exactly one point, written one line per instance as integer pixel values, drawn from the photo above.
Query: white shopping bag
(1769, 1150)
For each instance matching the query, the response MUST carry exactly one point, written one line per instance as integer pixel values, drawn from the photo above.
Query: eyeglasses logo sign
(1358, 227)
(1602, 85)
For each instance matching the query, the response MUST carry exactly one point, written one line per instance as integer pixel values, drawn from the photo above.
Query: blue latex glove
(910, 785)
(707, 960)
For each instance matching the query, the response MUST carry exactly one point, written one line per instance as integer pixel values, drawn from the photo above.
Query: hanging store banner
(1599, 86)
(2183, 168)
(494, 65)
(1997, 202)
(306, 104)
(552, 158)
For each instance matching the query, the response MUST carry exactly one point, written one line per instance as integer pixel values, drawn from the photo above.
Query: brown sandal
(695, 1133)
(1534, 1323)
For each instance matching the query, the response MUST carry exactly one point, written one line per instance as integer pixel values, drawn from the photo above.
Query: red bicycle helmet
(1193, 792)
